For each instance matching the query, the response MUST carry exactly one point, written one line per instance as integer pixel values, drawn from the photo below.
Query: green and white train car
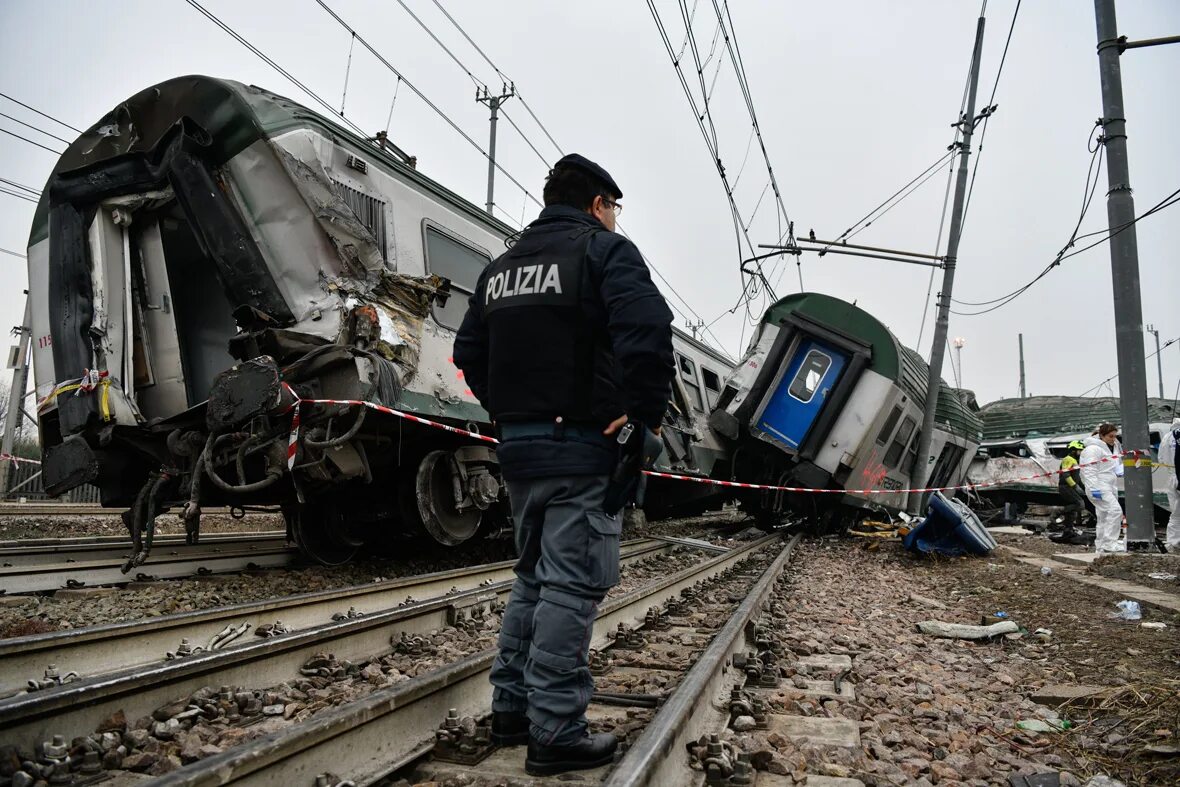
(207, 252)
(827, 397)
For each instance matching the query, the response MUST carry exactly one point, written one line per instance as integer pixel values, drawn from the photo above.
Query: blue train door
(801, 393)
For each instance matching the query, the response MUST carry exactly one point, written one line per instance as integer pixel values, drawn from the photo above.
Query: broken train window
(459, 261)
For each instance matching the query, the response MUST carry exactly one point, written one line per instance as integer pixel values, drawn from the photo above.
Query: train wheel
(434, 505)
(322, 534)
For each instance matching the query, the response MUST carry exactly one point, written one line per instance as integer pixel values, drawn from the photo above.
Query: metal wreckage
(237, 302)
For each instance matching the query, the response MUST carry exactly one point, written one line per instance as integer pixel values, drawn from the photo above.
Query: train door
(802, 391)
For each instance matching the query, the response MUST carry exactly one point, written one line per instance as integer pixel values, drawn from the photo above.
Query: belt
(556, 430)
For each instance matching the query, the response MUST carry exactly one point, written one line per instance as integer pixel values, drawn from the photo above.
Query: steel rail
(76, 708)
(371, 737)
(98, 650)
(31, 552)
(658, 756)
(90, 509)
(108, 571)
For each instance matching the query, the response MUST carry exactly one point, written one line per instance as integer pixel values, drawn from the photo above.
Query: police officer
(566, 340)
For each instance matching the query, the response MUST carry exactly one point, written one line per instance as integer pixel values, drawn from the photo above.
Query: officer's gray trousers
(569, 558)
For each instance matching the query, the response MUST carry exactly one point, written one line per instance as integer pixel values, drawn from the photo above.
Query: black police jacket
(567, 324)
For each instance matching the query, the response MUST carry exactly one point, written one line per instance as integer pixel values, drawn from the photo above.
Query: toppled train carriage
(1030, 436)
(211, 260)
(826, 397)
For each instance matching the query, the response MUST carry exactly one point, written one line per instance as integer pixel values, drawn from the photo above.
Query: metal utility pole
(16, 396)
(484, 97)
(1159, 360)
(923, 460)
(1020, 338)
(1124, 266)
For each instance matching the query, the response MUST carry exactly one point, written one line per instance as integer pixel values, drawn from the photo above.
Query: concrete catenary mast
(1124, 267)
(923, 460)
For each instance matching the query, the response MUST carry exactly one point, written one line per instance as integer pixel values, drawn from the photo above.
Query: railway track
(39, 568)
(122, 667)
(80, 509)
(37, 551)
(378, 734)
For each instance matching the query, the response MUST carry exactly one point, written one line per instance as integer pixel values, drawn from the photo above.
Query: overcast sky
(853, 99)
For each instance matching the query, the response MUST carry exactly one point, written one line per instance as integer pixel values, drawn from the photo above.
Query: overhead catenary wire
(700, 114)
(31, 142)
(500, 74)
(1167, 202)
(1114, 376)
(18, 195)
(21, 186)
(42, 114)
(1093, 173)
(34, 128)
(422, 96)
(270, 62)
(991, 103)
(528, 141)
(13, 253)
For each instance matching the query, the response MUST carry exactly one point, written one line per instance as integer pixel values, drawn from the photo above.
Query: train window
(713, 382)
(887, 429)
(688, 375)
(900, 441)
(810, 375)
(461, 263)
(911, 454)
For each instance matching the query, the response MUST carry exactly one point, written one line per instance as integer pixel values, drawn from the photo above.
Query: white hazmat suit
(1099, 478)
(1167, 456)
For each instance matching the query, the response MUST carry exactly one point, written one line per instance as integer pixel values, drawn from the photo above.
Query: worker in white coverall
(1099, 479)
(1167, 456)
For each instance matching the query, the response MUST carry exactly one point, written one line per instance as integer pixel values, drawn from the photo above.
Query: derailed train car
(826, 397)
(219, 276)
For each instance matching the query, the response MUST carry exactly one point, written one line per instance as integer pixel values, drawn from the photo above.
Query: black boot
(510, 728)
(591, 751)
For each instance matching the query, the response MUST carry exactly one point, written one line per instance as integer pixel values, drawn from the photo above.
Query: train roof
(891, 358)
(1045, 416)
(235, 116)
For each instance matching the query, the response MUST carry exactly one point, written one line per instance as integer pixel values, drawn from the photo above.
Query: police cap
(588, 166)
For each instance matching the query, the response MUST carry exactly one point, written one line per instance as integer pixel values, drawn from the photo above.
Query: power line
(18, 195)
(865, 221)
(31, 142)
(14, 254)
(525, 137)
(991, 102)
(42, 114)
(284, 72)
(1167, 202)
(735, 56)
(700, 114)
(424, 99)
(478, 82)
(34, 128)
(21, 186)
(502, 76)
(1114, 377)
(1087, 198)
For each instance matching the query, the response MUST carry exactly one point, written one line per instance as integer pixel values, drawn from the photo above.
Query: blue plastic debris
(950, 528)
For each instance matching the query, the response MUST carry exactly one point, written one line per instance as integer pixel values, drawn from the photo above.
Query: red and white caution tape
(15, 458)
(292, 444)
(981, 485)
